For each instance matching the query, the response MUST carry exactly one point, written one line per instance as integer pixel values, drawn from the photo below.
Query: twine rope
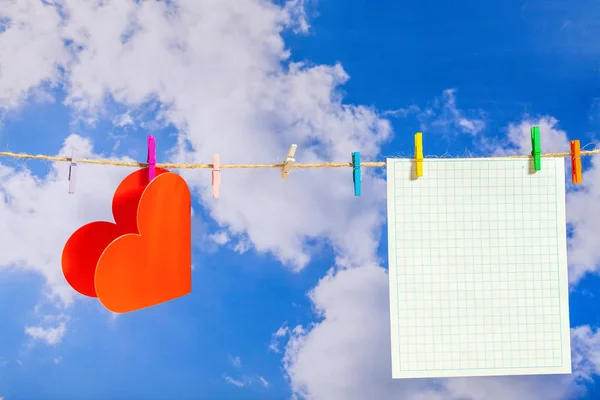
(249, 166)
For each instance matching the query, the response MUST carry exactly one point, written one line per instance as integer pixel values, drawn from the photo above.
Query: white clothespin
(72, 172)
(288, 164)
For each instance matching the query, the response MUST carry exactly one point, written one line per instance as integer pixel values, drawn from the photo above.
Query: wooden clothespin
(419, 153)
(151, 158)
(73, 172)
(289, 162)
(576, 173)
(216, 176)
(356, 172)
(536, 148)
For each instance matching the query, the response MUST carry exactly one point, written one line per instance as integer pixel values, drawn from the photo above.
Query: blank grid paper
(478, 268)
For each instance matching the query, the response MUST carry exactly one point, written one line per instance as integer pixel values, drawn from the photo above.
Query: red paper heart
(85, 246)
(152, 267)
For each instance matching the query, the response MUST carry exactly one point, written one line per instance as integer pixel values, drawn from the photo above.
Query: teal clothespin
(356, 172)
(536, 148)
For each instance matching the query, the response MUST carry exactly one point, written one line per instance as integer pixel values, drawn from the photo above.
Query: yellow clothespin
(288, 163)
(419, 153)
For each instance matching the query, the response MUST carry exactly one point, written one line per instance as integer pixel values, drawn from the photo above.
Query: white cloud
(584, 253)
(228, 92)
(518, 137)
(264, 382)
(220, 238)
(247, 381)
(586, 351)
(276, 338)
(235, 382)
(443, 116)
(52, 330)
(123, 120)
(39, 215)
(347, 354)
(235, 361)
(582, 203)
(32, 50)
(51, 336)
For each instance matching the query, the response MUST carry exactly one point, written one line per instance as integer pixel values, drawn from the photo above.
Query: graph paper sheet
(478, 268)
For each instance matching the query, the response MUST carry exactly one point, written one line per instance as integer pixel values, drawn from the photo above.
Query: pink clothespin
(72, 172)
(151, 158)
(216, 176)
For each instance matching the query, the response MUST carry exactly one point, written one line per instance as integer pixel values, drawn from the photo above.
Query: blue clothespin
(356, 172)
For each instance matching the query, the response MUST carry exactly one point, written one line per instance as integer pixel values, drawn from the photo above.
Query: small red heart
(85, 246)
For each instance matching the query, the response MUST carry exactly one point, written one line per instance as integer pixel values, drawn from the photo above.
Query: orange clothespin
(576, 161)
(216, 176)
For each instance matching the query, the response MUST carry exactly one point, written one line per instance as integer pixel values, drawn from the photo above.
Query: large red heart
(145, 258)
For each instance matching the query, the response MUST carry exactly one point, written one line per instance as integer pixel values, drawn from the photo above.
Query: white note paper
(478, 268)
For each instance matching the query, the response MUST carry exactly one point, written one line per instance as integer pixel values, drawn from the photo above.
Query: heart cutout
(141, 270)
(145, 258)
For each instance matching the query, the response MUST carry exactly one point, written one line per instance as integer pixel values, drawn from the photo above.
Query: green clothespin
(536, 148)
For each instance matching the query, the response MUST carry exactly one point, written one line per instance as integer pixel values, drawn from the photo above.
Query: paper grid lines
(478, 268)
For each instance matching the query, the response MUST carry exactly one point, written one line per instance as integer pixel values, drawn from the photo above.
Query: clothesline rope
(248, 166)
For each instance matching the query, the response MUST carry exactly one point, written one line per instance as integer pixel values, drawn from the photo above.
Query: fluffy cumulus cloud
(32, 50)
(221, 82)
(224, 83)
(347, 354)
(220, 73)
(518, 137)
(584, 253)
(38, 214)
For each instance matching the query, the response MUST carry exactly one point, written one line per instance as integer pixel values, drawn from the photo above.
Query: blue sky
(289, 291)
